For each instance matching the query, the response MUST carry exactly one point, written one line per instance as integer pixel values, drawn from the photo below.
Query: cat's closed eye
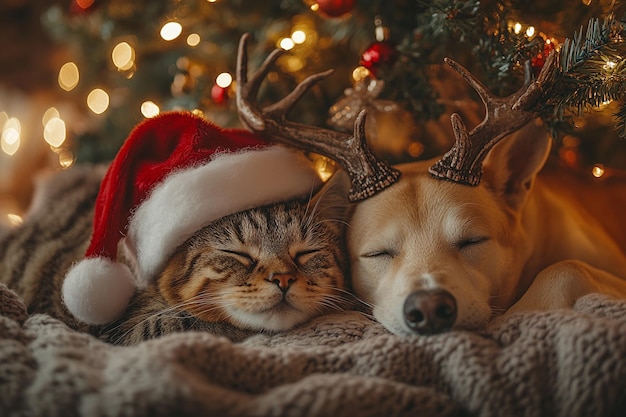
(302, 257)
(243, 257)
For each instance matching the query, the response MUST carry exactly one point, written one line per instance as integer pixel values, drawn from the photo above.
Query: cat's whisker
(367, 315)
(308, 218)
(308, 205)
(328, 305)
(340, 221)
(365, 303)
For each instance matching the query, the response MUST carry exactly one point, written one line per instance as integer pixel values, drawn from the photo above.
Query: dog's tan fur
(519, 241)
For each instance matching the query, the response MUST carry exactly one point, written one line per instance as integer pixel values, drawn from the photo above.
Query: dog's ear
(512, 165)
(332, 199)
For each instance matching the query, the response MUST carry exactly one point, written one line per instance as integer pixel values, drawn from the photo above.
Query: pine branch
(577, 51)
(593, 72)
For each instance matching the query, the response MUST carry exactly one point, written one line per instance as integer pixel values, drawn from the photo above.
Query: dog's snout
(430, 311)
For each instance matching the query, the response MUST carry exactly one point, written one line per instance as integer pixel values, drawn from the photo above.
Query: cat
(266, 269)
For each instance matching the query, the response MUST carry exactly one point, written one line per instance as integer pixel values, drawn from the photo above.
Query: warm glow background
(77, 75)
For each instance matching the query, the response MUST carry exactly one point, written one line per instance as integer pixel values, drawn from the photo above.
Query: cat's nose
(282, 280)
(430, 311)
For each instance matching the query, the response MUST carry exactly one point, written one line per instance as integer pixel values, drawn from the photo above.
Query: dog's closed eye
(469, 242)
(384, 253)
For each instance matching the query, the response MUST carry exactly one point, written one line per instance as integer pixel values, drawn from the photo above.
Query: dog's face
(430, 255)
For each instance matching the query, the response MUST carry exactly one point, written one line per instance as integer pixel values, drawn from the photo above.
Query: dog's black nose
(430, 311)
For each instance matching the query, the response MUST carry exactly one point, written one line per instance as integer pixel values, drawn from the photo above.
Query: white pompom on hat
(175, 174)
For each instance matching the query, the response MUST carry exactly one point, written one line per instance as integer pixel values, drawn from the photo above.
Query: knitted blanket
(559, 363)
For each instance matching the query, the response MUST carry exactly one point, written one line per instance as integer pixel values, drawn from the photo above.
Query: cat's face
(269, 268)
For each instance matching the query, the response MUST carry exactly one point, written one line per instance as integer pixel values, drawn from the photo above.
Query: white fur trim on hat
(97, 290)
(189, 199)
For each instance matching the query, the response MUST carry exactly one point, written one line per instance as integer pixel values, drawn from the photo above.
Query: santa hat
(174, 174)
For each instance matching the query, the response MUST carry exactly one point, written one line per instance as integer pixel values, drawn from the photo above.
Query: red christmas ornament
(539, 60)
(219, 94)
(335, 8)
(78, 7)
(379, 57)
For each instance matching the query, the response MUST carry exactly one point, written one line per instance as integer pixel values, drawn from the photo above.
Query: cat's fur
(220, 280)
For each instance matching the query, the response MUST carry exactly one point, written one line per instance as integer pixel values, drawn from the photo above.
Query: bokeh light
(171, 31)
(69, 76)
(54, 132)
(224, 80)
(123, 56)
(193, 39)
(286, 44)
(10, 139)
(149, 109)
(98, 101)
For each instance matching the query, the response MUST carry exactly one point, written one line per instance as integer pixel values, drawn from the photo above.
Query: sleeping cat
(264, 269)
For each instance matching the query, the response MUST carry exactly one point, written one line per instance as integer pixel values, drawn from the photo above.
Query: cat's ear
(331, 201)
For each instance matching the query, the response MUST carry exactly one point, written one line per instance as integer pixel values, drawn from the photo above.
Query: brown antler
(368, 174)
(504, 115)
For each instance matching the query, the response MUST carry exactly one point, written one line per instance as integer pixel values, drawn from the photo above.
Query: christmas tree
(81, 73)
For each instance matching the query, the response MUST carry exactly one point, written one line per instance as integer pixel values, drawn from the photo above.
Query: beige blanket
(561, 363)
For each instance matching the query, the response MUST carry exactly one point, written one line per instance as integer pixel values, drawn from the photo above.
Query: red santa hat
(174, 174)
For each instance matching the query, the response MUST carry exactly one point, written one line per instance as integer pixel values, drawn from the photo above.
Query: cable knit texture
(559, 363)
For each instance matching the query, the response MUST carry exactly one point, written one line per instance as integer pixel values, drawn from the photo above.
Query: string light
(530, 31)
(149, 109)
(123, 56)
(10, 140)
(171, 31)
(69, 76)
(360, 73)
(193, 39)
(298, 37)
(286, 44)
(54, 132)
(517, 28)
(598, 170)
(609, 66)
(66, 158)
(224, 80)
(98, 101)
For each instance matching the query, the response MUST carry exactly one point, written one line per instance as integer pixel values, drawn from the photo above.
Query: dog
(431, 255)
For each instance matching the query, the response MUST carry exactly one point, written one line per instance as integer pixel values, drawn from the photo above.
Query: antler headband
(368, 174)
(503, 115)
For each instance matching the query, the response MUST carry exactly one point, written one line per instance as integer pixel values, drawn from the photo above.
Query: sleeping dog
(431, 255)
(487, 229)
